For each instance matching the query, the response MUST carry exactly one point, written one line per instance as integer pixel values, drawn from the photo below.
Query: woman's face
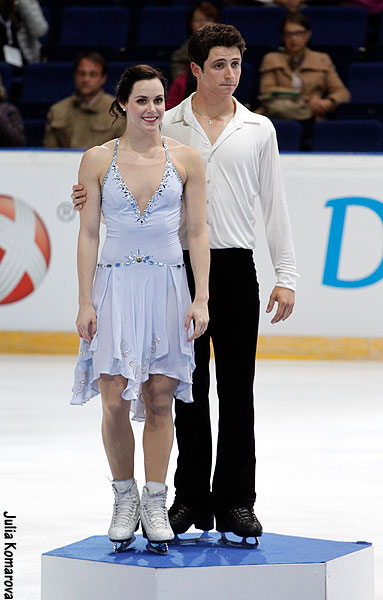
(146, 104)
(199, 19)
(295, 38)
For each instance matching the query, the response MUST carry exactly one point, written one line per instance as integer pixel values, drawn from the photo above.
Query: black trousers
(233, 327)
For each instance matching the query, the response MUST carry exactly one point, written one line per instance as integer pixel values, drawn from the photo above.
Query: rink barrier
(272, 347)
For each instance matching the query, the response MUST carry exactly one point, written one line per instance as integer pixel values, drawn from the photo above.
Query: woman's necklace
(211, 119)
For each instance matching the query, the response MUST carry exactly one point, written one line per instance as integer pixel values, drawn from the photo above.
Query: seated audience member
(11, 123)
(83, 120)
(22, 23)
(200, 14)
(298, 83)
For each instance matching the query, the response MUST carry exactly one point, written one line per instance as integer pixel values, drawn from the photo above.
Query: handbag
(285, 105)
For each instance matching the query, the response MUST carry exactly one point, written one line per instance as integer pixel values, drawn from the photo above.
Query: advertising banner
(336, 210)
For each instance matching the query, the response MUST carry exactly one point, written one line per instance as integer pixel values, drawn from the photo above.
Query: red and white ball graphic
(24, 250)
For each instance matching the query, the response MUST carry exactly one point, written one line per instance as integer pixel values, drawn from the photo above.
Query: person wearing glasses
(298, 83)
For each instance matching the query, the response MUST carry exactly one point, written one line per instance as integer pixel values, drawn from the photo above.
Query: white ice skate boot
(126, 514)
(154, 517)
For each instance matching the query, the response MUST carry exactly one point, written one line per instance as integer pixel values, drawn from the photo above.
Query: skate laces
(154, 507)
(125, 506)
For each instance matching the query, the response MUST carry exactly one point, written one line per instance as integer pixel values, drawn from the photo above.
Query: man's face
(221, 71)
(88, 78)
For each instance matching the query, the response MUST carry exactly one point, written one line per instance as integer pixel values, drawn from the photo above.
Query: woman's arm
(88, 240)
(195, 206)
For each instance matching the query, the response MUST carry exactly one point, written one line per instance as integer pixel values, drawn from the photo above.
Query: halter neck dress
(140, 293)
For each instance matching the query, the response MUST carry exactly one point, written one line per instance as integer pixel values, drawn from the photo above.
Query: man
(83, 120)
(240, 152)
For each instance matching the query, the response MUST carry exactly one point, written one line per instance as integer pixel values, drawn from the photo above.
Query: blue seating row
(328, 136)
(114, 27)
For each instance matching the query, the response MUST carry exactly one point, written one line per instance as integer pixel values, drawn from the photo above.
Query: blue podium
(281, 568)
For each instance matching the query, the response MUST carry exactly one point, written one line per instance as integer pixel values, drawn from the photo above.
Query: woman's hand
(320, 106)
(199, 312)
(86, 322)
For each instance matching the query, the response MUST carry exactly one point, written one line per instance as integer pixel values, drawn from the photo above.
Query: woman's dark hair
(206, 8)
(296, 18)
(127, 81)
(209, 36)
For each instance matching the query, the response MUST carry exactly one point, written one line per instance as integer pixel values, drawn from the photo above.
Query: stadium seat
(44, 84)
(337, 25)
(161, 30)
(365, 82)
(347, 136)
(245, 91)
(34, 132)
(6, 76)
(101, 28)
(116, 69)
(259, 26)
(288, 135)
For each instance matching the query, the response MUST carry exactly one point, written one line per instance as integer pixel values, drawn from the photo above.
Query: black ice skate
(182, 517)
(155, 522)
(240, 521)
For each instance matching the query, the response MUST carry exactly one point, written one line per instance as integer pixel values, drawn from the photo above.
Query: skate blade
(123, 546)
(242, 544)
(157, 548)
(204, 537)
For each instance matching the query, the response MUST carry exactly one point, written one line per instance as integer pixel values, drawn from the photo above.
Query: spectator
(22, 23)
(184, 83)
(83, 120)
(200, 14)
(299, 83)
(11, 123)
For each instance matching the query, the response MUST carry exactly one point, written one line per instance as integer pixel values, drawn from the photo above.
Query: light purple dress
(140, 293)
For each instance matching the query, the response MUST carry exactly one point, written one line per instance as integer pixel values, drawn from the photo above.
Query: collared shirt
(242, 167)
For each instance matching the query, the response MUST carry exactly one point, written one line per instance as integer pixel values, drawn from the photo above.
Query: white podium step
(281, 568)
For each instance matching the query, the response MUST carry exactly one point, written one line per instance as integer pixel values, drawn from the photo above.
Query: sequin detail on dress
(140, 294)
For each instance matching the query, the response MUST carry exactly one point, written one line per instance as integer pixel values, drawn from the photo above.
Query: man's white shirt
(242, 166)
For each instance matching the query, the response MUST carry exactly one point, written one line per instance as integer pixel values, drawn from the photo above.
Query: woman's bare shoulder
(97, 155)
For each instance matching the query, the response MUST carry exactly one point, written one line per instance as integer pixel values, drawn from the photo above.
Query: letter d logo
(330, 275)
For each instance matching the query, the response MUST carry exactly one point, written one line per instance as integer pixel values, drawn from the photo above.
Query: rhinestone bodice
(153, 232)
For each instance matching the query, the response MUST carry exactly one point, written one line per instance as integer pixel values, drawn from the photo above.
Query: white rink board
(43, 180)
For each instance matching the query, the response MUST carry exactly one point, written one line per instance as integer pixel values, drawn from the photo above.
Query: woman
(299, 83)
(135, 324)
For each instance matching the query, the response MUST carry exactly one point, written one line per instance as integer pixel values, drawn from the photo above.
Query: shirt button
(209, 160)
(207, 180)
(206, 143)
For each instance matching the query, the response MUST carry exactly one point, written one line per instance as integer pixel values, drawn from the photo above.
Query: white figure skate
(155, 521)
(126, 514)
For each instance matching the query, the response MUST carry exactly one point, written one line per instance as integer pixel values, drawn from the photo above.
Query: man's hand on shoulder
(78, 196)
(285, 299)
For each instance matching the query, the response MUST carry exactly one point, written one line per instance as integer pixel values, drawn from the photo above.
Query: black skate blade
(157, 548)
(204, 537)
(244, 543)
(123, 546)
